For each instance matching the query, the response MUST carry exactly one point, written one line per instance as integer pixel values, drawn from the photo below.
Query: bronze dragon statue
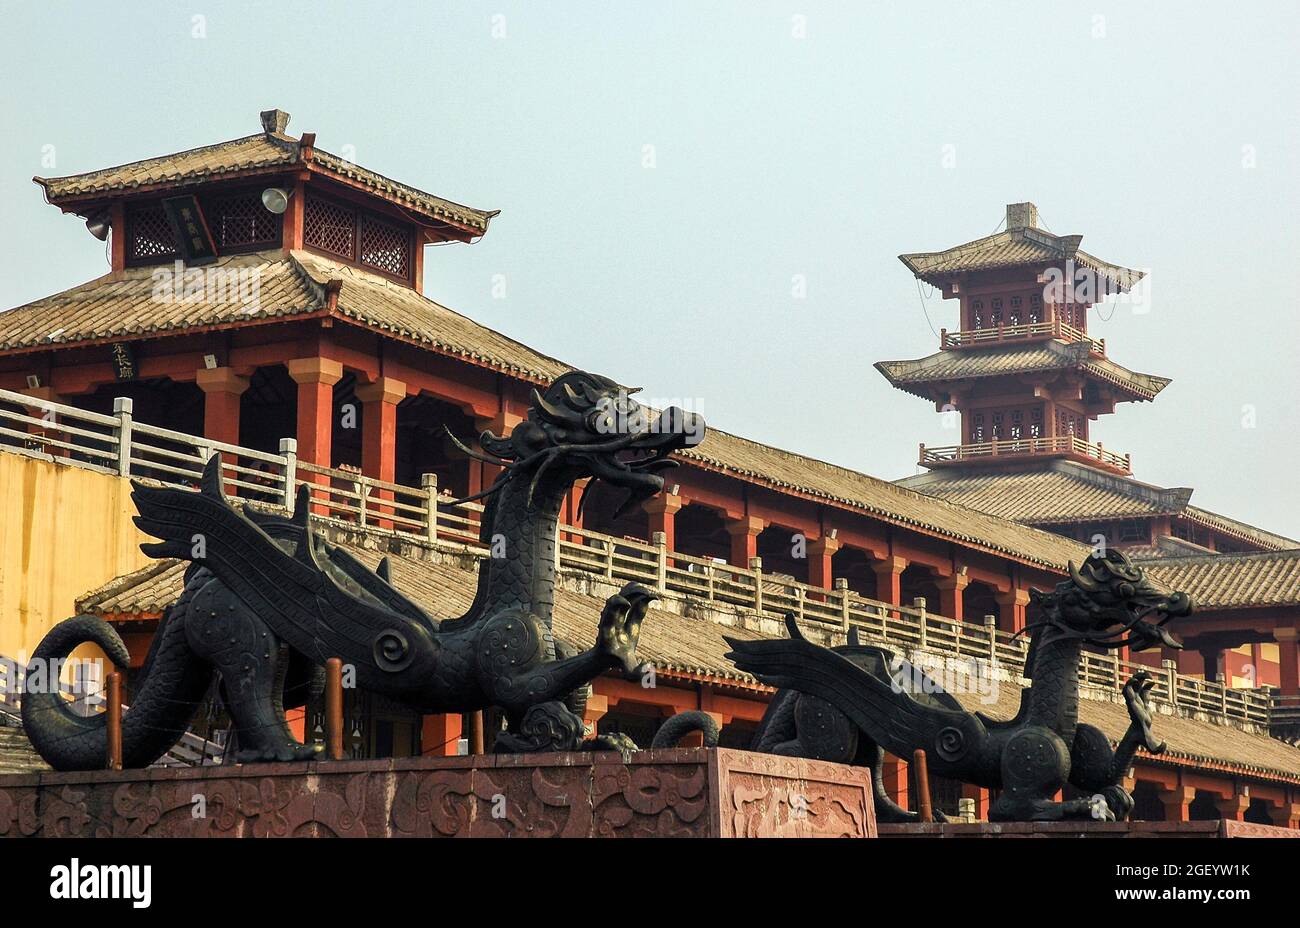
(264, 598)
(850, 703)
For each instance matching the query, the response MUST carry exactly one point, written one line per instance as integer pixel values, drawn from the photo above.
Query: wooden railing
(1016, 447)
(116, 444)
(1054, 328)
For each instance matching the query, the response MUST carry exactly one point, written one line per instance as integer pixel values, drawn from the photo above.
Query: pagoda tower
(1025, 381)
(1021, 369)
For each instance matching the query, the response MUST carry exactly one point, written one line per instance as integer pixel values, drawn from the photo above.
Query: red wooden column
(1288, 656)
(744, 534)
(894, 774)
(1234, 807)
(889, 579)
(951, 595)
(1011, 609)
(379, 432)
(222, 388)
(663, 510)
(820, 553)
(1177, 803)
(440, 735)
(316, 378)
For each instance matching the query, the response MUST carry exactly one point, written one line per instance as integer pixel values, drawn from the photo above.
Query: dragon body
(851, 703)
(265, 600)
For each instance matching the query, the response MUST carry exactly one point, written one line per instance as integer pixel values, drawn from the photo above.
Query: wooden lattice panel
(384, 247)
(149, 234)
(240, 220)
(330, 227)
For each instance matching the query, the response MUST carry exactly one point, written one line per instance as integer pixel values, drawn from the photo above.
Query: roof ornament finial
(1022, 216)
(275, 122)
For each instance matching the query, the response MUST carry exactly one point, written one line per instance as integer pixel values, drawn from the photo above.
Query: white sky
(774, 156)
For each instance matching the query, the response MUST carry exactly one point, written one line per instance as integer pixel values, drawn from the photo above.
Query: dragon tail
(172, 685)
(681, 725)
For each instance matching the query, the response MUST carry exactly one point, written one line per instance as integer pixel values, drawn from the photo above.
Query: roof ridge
(46, 181)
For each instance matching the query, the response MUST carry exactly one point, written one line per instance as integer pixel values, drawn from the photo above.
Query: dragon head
(1110, 603)
(585, 425)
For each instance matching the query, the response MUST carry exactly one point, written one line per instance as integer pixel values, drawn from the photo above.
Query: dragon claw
(620, 626)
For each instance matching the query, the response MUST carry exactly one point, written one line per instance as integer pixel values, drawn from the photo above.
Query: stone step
(17, 754)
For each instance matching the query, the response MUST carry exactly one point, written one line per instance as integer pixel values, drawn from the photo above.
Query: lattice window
(1035, 308)
(1017, 424)
(1036, 422)
(977, 428)
(977, 311)
(149, 234)
(384, 247)
(997, 426)
(330, 227)
(240, 220)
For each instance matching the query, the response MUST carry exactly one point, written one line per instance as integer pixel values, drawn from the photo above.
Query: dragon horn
(1090, 586)
(853, 636)
(553, 412)
(792, 627)
(383, 571)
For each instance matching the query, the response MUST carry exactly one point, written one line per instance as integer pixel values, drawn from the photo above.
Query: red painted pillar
(744, 534)
(662, 511)
(1177, 803)
(1234, 808)
(889, 579)
(222, 389)
(379, 433)
(820, 555)
(951, 595)
(894, 773)
(1011, 609)
(316, 378)
(1288, 657)
(440, 735)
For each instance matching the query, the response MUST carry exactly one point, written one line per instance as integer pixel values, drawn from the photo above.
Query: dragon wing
(292, 593)
(889, 716)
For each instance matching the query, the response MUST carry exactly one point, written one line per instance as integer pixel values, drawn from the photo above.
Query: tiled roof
(1004, 360)
(255, 154)
(1027, 247)
(750, 460)
(1066, 491)
(126, 307)
(1222, 581)
(1048, 494)
(695, 645)
(210, 161)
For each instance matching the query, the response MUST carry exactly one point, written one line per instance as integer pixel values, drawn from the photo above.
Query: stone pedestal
(674, 792)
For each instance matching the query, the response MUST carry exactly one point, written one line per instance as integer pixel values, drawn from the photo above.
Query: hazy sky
(666, 172)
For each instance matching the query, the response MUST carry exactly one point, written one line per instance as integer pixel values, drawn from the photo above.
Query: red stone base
(1221, 828)
(679, 792)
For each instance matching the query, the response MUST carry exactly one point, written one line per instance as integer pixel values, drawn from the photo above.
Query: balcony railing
(1054, 445)
(118, 445)
(1055, 328)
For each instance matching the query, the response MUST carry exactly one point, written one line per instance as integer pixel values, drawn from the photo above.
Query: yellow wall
(63, 532)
